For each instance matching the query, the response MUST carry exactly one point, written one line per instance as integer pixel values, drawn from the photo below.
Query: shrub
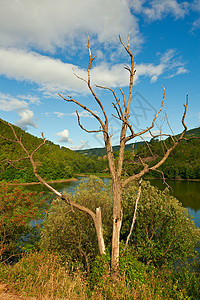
(163, 231)
(71, 232)
(17, 208)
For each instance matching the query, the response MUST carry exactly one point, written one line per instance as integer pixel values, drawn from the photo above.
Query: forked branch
(147, 169)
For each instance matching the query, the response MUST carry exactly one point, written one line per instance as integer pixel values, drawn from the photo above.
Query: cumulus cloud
(26, 119)
(9, 103)
(49, 24)
(53, 75)
(83, 145)
(158, 9)
(50, 74)
(64, 136)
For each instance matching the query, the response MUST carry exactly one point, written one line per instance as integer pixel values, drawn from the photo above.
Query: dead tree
(127, 133)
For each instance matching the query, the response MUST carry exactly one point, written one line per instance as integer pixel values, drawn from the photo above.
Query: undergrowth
(44, 275)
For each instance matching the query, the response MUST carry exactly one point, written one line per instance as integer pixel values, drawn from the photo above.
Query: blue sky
(41, 41)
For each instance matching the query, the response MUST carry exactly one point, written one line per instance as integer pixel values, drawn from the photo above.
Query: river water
(187, 192)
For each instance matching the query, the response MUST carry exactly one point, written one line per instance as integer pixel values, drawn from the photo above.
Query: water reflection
(187, 192)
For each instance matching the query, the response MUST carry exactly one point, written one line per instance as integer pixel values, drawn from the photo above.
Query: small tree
(115, 167)
(17, 208)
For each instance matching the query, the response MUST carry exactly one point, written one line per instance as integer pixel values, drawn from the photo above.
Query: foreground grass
(45, 276)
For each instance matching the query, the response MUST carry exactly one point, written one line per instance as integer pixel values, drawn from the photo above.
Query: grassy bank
(46, 276)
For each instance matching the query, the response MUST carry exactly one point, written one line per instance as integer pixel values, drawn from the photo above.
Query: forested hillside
(183, 162)
(53, 161)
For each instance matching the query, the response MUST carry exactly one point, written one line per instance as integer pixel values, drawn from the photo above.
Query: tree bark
(117, 222)
(99, 231)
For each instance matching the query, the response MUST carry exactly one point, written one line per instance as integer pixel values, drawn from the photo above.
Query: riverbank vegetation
(160, 261)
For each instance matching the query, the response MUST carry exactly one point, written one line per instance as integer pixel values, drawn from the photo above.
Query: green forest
(183, 162)
(55, 162)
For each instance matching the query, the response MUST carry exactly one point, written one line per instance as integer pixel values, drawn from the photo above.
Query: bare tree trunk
(117, 222)
(99, 231)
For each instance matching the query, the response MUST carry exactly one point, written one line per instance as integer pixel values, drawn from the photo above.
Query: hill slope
(184, 161)
(53, 161)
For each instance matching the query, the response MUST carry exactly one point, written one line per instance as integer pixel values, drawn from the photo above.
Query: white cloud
(59, 114)
(9, 102)
(64, 136)
(137, 5)
(50, 24)
(149, 70)
(47, 72)
(196, 24)
(83, 145)
(158, 9)
(53, 75)
(85, 114)
(26, 119)
(196, 5)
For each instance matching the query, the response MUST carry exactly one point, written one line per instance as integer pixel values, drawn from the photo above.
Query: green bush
(163, 232)
(17, 208)
(71, 232)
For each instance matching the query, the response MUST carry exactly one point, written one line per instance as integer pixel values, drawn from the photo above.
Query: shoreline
(50, 181)
(84, 175)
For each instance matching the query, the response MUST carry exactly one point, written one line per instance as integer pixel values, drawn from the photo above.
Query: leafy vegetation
(71, 232)
(54, 162)
(17, 208)
(67, 265)
(183, 162)
(162, 234)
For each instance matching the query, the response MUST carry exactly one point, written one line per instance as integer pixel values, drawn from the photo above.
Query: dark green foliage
(183, 162)
(72, 233)
(102, 151)
(136, 280)
(53, 162)
(163, 232)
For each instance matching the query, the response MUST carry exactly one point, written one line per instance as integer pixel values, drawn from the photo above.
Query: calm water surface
(187, 192)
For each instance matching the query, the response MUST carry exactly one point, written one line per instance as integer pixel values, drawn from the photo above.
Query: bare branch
(170, 127)
(153, 122)
(134, 215)
(81, 126)
(164, 180)
(12, 162)
(84, 107)
(89, 83)
(81, 78)
(165, 156)
(117, 100)
(124, 105)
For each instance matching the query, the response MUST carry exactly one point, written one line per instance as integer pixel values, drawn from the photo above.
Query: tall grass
(46, 276)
